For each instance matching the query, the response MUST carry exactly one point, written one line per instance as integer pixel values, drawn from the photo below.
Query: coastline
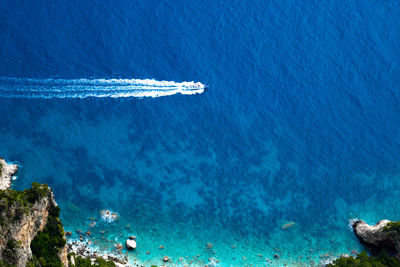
(29, 221)
(83, 245)
(6, 173)
(85, 250)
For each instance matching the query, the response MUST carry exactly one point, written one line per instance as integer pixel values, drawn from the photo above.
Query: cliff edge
(383, 235)
(31, 232)
(382, 240)
(30, 228)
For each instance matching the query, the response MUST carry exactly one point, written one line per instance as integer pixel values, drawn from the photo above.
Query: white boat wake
(82, 88)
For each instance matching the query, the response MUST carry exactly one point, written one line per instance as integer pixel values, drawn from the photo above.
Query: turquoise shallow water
(300, 122)
(168, 194)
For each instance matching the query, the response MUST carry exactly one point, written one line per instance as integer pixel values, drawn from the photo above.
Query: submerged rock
(109, 216)
(288, 225)
(119, 246)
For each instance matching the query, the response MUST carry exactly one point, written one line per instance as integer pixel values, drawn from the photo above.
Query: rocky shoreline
(83, 243)
(382, 241)
(81, 248)
(25, 215)
(382, 235)
(30, 228)
(6, 173)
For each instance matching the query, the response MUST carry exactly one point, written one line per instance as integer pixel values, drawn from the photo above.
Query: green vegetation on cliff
(9, 254)
(392, 228)
(20, 202)
(14, 205)
(362, 259)
(4, 264)
(47, 243)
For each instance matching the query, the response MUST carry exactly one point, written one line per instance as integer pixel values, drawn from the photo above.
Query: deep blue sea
(300, 123)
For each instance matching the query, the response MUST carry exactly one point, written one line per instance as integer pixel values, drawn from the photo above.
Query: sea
(294, 132)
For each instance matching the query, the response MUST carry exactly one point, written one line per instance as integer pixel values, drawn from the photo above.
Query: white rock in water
(130, 244)
(372, 234)
(6, 173)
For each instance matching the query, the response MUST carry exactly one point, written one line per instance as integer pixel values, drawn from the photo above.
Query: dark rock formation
(377, 237)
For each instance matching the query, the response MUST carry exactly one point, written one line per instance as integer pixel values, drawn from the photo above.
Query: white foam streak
(82, 88)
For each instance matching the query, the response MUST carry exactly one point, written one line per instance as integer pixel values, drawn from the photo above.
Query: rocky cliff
(31, 232)
(383, 235)
(24, 216)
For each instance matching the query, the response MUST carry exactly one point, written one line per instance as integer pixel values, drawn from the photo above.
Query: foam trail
(82, 88)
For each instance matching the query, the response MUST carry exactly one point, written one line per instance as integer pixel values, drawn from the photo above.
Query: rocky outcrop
(30, 228)
(22, 216)
(378, 236)
(372, 234)
(130, 244)
(6, 173)
(82, 249)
